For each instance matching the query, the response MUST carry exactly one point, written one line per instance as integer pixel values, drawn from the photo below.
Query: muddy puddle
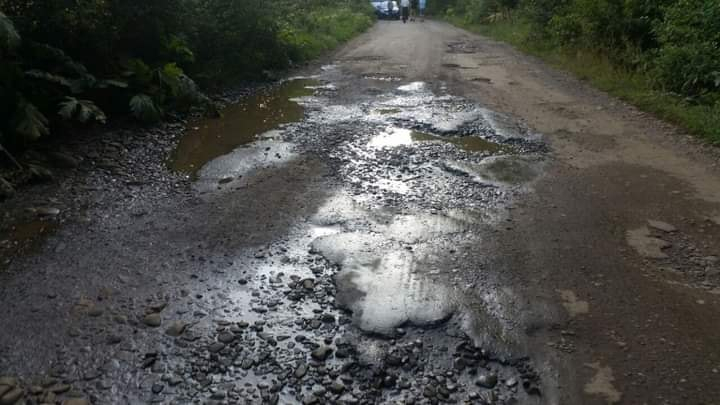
(241, 124)
(22, 237)
(394, 137)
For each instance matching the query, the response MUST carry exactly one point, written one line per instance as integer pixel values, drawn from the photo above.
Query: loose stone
(152, 320)
(300, 371)
(321, 353)
(487, 381)
(226, 337)
(11, 396)
(76, 401)
(176, 328)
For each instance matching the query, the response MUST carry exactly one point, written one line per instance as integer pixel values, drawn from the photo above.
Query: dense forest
(77, 62)
(661, 54)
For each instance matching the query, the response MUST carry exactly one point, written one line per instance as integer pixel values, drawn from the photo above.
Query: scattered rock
(309, 284)
(646, 245)
(310, 399)
(349, 399)
(48, 398)
(247, 364)
(59, 388)
(76, 401)
(487, 380)
(152, 320)
(176, 328)
(301, 370)
(216, 347)
(321, 353)
(337, 387)
(47, 211)
(11, 396)
(661, 226)
(226, 337)
(218, 395)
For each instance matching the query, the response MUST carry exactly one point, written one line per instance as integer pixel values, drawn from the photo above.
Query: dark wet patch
(509, 169)
(586, 140)
(382, 77)
(461, 47)
(388, 111)
(364, 58)
(23, 236)
(240, 124)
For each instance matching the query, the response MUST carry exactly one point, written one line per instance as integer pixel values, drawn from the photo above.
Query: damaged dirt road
(429, 217)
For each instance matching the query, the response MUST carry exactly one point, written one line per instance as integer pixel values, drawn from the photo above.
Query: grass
(632, 86)
(324, 29)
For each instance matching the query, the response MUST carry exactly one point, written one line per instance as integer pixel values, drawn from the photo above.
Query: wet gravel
(361, 300)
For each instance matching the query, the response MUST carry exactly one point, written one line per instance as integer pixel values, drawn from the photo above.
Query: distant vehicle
(383, 12)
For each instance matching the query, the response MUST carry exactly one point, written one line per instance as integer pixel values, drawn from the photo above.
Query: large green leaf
(81, 110)
(84, 83)
(139, 72)
(104, 84)
(170, 75)
(56, 58)
(9, 37)
(30, 123)
(180, 50)
(145, 109)
(48, 77)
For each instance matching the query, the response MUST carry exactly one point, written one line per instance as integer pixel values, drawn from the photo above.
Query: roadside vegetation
(70, 63)
(661, 55)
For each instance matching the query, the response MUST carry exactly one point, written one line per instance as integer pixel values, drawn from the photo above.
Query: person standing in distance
(421, 6)
(405, 6)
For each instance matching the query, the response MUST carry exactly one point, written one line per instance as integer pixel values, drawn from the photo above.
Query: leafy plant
(29, 122)
(9, 37)
(38, 74)
(145, 109)
(81, 110)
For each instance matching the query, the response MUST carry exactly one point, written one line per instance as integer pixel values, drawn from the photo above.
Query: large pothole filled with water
(368, 300)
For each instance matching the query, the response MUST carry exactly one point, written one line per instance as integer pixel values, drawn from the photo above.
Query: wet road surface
(426, 217)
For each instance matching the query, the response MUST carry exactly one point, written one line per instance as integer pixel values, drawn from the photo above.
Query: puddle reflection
(395, 137)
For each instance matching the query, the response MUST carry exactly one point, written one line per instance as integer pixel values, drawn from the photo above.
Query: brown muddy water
(22, 237)
(240, 124)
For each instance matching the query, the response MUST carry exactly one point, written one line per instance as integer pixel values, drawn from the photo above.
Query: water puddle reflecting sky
(394, 137)
(383, 285)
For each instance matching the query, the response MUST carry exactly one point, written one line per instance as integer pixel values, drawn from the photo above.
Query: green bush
(54, 54)
(688, 60)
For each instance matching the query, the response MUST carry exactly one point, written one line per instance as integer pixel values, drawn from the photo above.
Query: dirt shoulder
(642, 325)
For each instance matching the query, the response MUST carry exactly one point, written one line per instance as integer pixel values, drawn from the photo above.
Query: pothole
(240, 124)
